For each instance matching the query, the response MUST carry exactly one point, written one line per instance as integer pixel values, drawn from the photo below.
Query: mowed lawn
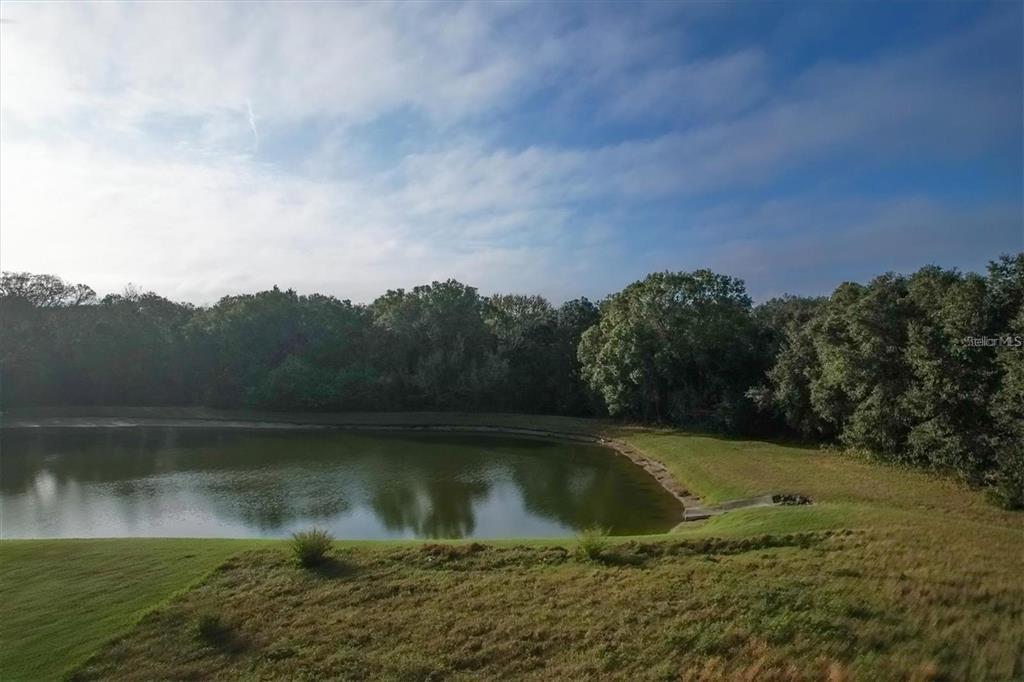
(889, 575)
(60, 599)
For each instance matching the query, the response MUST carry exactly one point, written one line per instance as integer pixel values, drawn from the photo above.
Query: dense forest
(925, 369)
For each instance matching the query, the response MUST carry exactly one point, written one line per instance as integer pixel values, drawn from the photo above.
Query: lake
(247, 482)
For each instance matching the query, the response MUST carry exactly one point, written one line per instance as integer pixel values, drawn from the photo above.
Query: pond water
(208, 482)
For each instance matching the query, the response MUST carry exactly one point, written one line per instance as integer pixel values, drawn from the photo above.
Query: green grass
(890, 574)
(829, 605)
(847, 491)
(61, 599)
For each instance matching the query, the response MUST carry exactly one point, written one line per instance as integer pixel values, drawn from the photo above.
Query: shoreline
(653, 467)
(575, 430)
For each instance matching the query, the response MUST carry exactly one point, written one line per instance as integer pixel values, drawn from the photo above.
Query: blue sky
(563, 149)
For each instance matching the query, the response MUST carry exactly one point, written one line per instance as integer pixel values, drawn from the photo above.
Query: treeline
(439, 346)
(926, 369)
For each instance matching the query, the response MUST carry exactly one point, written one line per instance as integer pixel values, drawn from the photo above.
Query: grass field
(889, 575)
(59, 599)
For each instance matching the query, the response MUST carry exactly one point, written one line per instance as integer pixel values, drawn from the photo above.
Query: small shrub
(310, 547)
(591, 543)
(790, 499)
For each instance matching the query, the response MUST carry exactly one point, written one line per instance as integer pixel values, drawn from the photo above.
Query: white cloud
(197, 231)
(134, 137)
(340, 59)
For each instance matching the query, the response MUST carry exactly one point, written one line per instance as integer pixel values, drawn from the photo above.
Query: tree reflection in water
(248, 482)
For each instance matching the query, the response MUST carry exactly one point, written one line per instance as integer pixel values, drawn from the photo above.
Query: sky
(200, 149)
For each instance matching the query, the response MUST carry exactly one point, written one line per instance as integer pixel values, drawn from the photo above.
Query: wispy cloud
(252, 124)
(560, 149)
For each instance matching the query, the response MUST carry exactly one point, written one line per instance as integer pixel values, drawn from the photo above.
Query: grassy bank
(59, 599)
(890, 575)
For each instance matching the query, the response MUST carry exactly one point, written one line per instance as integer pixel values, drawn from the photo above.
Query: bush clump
(310, 547)
(789, 499)
(591, 543)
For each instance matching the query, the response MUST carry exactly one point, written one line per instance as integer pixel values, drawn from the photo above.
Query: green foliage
(786, 334)
(436, 347)
(439, 346)
(1008, 478)
(310, 547)
(58, 345)
(677, 347)
(1007, 409)
(591, 543)
(536, 345)
(276, 349)
(889, 368)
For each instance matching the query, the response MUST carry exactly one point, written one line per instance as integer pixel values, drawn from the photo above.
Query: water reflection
(150, 481)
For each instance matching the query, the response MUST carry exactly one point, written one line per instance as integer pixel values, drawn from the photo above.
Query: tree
(43, 291)
(33, 310)
(278, 349)
(572, 319)
(1006, 292)
(786, 348)
(864, 374)
(537, 344)
(951, 382)
(524, 335)
(435, 346)
(890, 368)
(677, 347)
(777, 317)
